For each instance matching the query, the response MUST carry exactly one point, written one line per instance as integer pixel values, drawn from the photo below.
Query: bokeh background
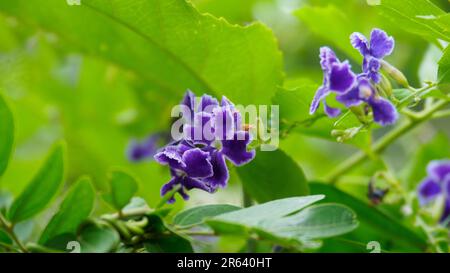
(58, 92)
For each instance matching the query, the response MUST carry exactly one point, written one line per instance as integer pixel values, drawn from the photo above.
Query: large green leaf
(250, 217)
(75, 209)
(95, 238)
(195, 216)
(416, 16)
(123, 187)
(41, 189)
(168, 244)
(287, 221)
(315, 222)
(167, 42)
(273, 175)
(381, 225)
(6, 135)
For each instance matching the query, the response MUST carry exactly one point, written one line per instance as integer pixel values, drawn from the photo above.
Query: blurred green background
(57, 91)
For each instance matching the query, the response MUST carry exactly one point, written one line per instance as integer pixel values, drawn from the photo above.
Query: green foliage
(416, 16)
(74, 210)
(286, 222)
(182, 51)
(6, 135)
(444, 70)
(261, 178)
(41, 189)
(197, 215)
(373, 221)
(95, 238)
(123, 188)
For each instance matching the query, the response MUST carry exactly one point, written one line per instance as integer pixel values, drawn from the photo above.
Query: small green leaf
(6, 135)
(123, 187)
(250, 217)
(38, 194)
(196, 216)
(95, 238)
(75, 208)
(4, 238)
(273, 175)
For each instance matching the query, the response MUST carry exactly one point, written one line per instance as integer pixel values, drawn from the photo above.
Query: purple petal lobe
(170, 156)
(327, 58)
(438, 170)
(330, 111)
(221, 175)
(168, 187)
(197, 164)
(381, 44)
(341, 77)
(321, 93)
(428, 190)
(384, 112)
(360, 42)
(351, 98)
(236, 149)
(192, 183)
(207, 104)
(224, 126)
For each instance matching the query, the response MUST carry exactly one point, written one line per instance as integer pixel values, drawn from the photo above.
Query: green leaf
(287, 221)
(75, 209)
(331, 24)
(315, 222)
(252, 216)
(382, 225)
(171, 45)
(416, 16)
(444, 70)
(197, 215)
(6, 135)
(38, 194)
(96, 238)
(4, 238)
(273, 175)
(123, 187)
(168, 244)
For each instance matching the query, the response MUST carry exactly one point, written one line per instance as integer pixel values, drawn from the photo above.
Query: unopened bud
(385, 86)
(394, 73)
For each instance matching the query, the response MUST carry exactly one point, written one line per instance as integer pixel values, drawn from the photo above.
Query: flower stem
(385, 141)
(9, 228)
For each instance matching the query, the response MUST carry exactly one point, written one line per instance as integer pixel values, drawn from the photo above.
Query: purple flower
(380, 46)
(139, 151)
(384, 112)
(212, 134)
(338, 78)
(437, 183)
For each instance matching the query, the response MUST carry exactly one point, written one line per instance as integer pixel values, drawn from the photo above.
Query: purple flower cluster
(436, 184)
(212, 133)
(146, 150)
(351, 89)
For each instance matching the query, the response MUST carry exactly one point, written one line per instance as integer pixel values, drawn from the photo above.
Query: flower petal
(170, 156)
(351, 98)
(207, 104)
(140, 151)
(202, 129)
(327, 58)
(428, 190)
(372, 68)
(341, 77)
(236, 149)
(381, 44)
(168, 187)
(330, 111)
(360, 42)
(224, 126)
(321, 93)
(384, 112)
(192, 183)
(220, 170)
(197, 164)
(438, 170)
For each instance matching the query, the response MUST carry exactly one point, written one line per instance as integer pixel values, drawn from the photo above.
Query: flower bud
(395, 74)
